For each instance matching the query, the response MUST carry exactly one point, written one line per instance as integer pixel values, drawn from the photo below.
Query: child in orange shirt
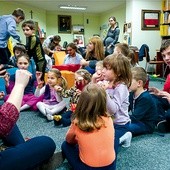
(90, 140)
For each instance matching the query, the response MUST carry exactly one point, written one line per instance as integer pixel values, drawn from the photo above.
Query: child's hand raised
(58, 88)
(22, 77)
(38, 75)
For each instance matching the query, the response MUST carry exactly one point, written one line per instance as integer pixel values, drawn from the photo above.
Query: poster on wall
(127, 33)
(78, 29)
(80, 38)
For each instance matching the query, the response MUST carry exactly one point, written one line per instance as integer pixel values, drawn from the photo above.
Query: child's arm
(70, 136)
(39, 91)
(116, 97)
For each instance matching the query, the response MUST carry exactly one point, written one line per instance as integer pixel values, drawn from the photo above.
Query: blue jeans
(138, 128)
(71, 152)
(162, 106)
(23, 155)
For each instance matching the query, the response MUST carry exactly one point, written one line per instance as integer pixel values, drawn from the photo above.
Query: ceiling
(93, 6)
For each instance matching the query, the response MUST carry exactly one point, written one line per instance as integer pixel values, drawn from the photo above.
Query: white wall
(133, 14)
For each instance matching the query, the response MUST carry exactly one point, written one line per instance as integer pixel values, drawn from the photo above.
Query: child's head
(99, 68)
(121, 48)
(55, 78)
(139, 78)
(91, 106)
(18, 49)
(19, 15)
(82, 78)
(117, 69)
(131, 57)
(23, 61)
(71, 49)
(28, 28)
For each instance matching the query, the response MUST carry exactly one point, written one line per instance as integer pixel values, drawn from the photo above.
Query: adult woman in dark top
(112, 35)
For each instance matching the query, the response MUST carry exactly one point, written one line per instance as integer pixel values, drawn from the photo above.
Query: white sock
(24, 107)
(41, 108)
(125, 140)
(57, 108)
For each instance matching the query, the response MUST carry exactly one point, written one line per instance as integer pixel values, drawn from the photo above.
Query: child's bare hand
(78, 92)
(104, 84)
(58, 88)
(2, 94)
(7, 77)
(154, 90)
(38, 75)
(22, 77)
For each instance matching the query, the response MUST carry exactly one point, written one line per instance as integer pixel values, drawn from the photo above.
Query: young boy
(34, 46)
(162, 97)
(142, 105)
(7, 29)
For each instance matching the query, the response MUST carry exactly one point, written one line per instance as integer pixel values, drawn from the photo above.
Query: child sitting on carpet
(29, 99)
(90, 139)
(143, 119)
(82, 78)
(52, 101)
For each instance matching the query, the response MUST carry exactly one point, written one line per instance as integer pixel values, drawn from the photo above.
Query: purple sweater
(118, 103)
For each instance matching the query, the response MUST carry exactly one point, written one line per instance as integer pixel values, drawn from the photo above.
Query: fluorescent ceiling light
(72, 7)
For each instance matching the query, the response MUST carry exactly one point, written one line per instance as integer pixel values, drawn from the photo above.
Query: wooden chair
(153, 62)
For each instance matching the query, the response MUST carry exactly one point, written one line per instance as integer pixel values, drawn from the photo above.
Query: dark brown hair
(19, 13)
(29, 23)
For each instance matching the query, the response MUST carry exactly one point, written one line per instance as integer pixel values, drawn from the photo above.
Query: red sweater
(167, 84)
(8, 117)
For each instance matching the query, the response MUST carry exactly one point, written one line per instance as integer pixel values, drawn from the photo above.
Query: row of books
(165, 30)
(165, 5)
(165, 18)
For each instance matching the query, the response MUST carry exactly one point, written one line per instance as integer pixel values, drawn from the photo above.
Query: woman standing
(112, 35)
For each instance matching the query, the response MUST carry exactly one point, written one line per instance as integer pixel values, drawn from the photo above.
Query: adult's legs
(14, 137)
(27, 155)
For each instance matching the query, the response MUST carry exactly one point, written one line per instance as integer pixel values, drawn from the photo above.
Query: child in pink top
(90, 140)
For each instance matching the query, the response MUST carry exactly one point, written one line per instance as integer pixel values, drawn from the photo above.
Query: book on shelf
(165, 5)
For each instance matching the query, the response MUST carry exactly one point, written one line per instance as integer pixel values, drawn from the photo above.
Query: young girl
(52, 101)
(90, 139)
(29, 99)
(117, 72)
(82, 78)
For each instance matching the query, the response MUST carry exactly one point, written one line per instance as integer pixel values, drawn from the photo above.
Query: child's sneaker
(57, 117)
(162, 126)
(125, 140)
